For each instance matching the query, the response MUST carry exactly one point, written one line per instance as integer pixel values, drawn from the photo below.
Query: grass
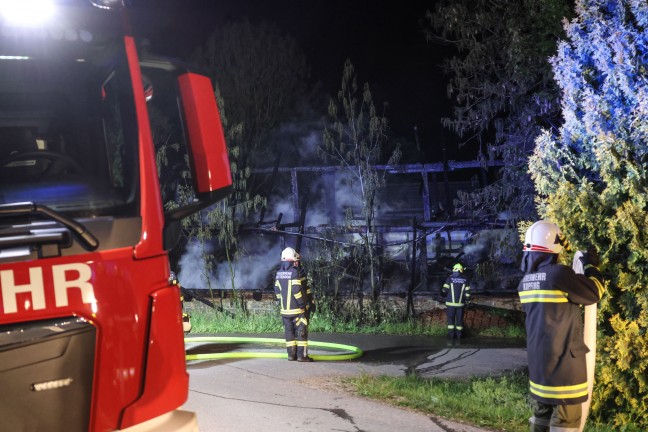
(498, 403)
(210, 321)
(223, 322)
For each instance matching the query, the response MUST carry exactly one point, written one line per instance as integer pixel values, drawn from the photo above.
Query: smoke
(252, 268)
(320, 212)
(283, 205)
(192, 267)
(347, 193)
(258, 257)
(398, 246)
(311, 187)
(298, 141)
(310, 144)
(329, 197)
(497, 244)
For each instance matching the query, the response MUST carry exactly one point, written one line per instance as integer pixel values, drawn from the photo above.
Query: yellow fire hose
(349, 352)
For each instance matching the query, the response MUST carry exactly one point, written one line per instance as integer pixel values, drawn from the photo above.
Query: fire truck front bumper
(175, 421)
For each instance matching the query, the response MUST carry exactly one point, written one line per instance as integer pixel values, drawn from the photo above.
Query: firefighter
(551, 295)
(456, 290)
(294, 300)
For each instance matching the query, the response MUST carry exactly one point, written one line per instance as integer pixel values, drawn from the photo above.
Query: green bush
(592, 180)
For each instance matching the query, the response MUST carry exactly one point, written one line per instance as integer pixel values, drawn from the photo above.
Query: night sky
(384, 41)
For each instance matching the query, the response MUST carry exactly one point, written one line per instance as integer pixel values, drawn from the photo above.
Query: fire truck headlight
(30, 13)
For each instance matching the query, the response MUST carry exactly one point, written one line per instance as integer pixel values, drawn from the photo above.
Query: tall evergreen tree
(592, 180)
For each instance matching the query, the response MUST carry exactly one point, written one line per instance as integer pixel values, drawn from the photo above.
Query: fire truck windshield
(68, 130)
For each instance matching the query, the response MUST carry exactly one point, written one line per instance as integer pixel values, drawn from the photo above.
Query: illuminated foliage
(501, 88)
(592, 179)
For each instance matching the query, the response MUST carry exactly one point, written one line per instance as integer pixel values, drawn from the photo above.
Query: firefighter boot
(534, 427)
(302, 355)
(457, 340)
(292, 353)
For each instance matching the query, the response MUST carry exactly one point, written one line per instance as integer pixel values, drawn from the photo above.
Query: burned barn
(416, 234)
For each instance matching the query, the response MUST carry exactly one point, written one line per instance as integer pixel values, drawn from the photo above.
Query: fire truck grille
(46, 372)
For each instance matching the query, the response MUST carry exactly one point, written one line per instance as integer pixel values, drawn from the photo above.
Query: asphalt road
(239, 395)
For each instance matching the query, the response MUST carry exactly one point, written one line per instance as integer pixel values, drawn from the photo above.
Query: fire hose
(349, 352)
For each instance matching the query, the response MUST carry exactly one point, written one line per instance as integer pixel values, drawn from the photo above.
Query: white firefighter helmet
(289, 254)
(544, 236)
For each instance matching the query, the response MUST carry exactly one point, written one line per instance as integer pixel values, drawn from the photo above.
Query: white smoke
(299, 140)
(259, 255)
(192, 267)
(496, 244)
(282, 205)
(318, 211)
(250, 271)
(310, 144)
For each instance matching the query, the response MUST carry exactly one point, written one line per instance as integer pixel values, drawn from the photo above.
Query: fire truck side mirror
(209, 162)
(204, 131)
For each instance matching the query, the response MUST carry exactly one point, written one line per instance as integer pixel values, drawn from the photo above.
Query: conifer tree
(592, 180)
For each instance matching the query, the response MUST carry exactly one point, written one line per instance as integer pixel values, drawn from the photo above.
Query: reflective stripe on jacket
(288, 289)
(457, 290)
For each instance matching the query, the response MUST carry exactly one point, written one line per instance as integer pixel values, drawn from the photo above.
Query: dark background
(384, 41)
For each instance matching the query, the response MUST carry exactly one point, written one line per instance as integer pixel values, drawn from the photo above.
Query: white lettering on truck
(36, 287)
(61, 285)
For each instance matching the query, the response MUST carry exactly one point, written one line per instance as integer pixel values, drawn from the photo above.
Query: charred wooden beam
(437, 167)
(426, 229)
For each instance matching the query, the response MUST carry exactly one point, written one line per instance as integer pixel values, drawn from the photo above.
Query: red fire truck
(91, 332)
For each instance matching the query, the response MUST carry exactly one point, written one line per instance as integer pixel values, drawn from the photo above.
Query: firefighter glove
(590, 258)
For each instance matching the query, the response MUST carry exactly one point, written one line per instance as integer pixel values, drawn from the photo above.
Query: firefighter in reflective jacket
(292, 295)
(551, 295)
(456, 290)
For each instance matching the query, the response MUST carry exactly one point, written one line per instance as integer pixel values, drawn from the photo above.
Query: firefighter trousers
(296, 335)
(455, 320)
(554, 418)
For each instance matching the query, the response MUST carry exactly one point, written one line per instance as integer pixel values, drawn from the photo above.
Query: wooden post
(410, 291)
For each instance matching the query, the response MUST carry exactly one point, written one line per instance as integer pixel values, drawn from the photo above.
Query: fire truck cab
(91, 333)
